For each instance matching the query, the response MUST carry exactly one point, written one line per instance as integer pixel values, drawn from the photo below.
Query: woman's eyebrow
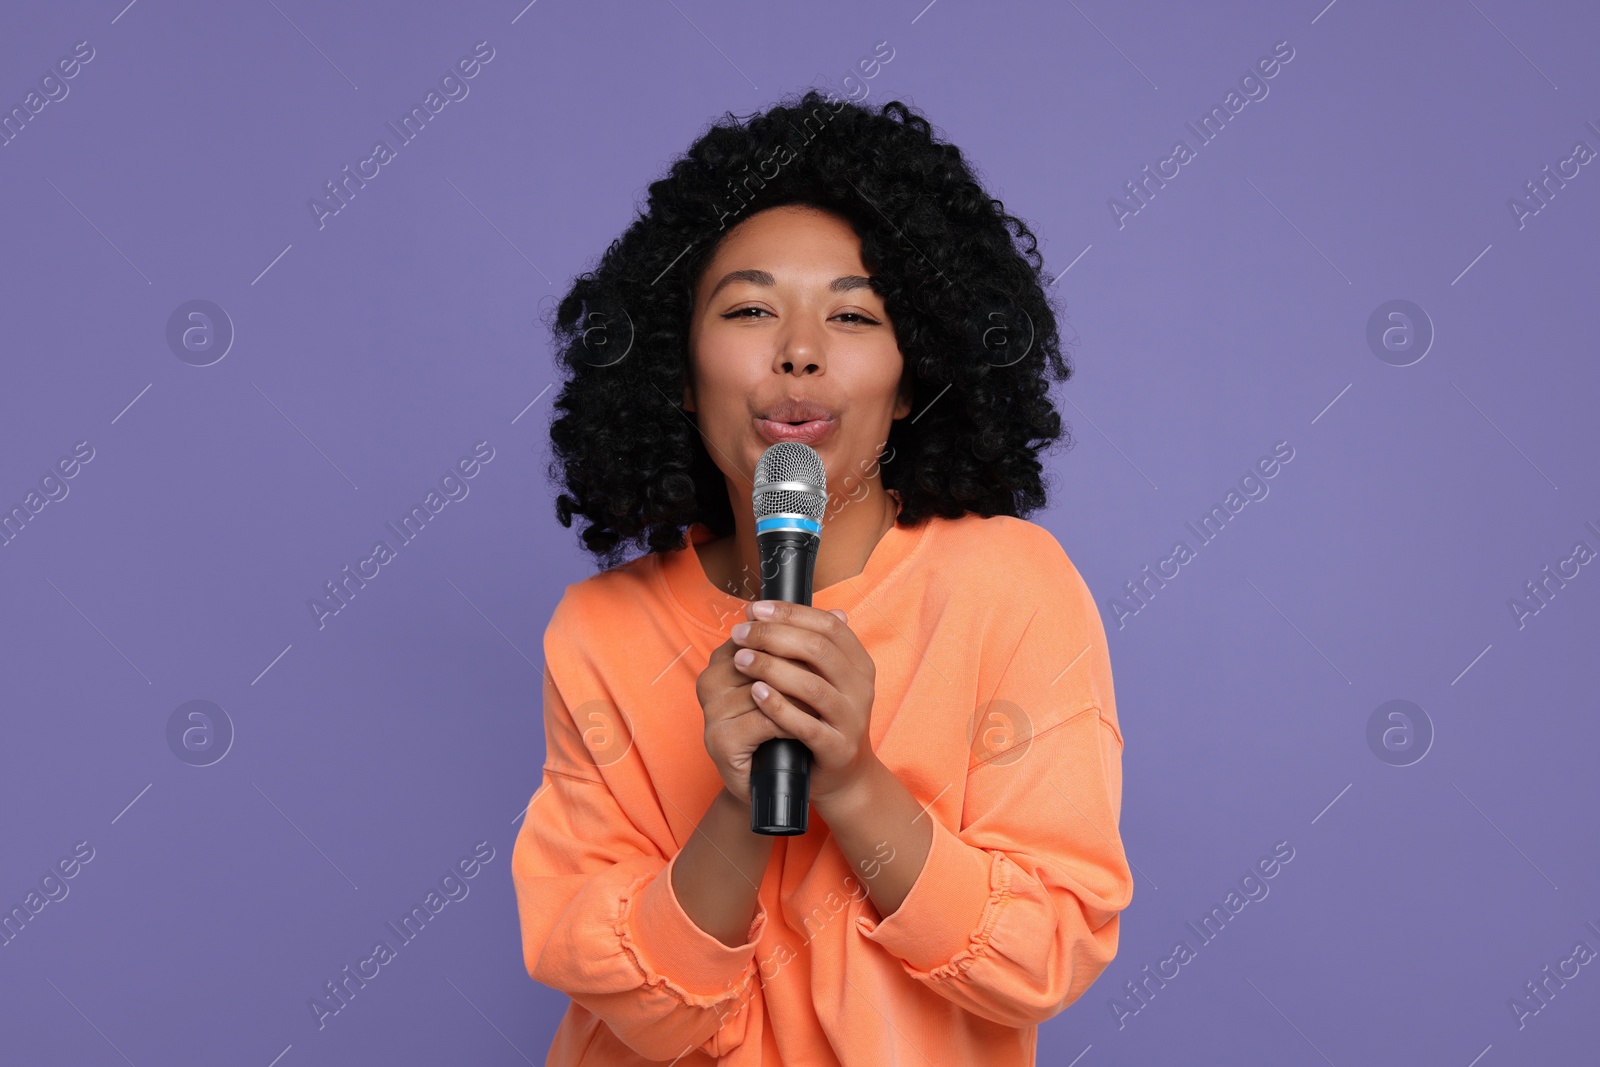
(841, 284)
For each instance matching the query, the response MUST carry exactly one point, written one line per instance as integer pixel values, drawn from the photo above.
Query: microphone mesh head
(790, 480)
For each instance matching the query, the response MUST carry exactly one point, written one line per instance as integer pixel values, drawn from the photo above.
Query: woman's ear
(902, 405)
(688, 397)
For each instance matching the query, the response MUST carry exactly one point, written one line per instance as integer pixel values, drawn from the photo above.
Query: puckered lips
(795, 419)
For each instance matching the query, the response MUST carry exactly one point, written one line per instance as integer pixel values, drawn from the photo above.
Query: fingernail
(741, 631)
(763, 609)
(743, 657)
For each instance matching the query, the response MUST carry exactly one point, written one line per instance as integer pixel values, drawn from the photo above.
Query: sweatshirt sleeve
(599, 919)
(1015, 911)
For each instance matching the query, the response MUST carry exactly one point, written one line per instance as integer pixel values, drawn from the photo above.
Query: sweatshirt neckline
(718, 609)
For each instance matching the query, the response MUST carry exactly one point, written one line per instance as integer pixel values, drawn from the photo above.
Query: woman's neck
(733, 564)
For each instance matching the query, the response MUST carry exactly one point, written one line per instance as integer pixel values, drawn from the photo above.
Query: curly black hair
(960, 279)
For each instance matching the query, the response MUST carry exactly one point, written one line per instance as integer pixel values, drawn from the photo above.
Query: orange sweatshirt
(993, 706)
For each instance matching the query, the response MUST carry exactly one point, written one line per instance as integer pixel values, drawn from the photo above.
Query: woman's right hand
(734, 724)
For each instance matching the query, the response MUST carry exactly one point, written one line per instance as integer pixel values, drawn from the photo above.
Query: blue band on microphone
(788, 522)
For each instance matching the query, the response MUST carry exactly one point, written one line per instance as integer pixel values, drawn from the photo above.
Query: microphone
(790, 498)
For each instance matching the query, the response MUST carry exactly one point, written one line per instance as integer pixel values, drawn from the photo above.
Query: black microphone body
(780, 769)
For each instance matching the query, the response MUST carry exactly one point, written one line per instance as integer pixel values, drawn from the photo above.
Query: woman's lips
(807, 432)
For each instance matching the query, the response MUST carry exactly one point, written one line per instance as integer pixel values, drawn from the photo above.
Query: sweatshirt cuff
(662, 940)
(944, 922)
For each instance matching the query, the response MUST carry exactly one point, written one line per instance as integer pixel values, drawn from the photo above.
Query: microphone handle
(780, 769)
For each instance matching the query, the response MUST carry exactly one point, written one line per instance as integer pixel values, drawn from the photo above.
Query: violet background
(371, 354)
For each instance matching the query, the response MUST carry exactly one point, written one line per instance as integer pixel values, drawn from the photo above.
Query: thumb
(842, 616)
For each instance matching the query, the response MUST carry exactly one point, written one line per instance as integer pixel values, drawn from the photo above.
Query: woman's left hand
(821, 683)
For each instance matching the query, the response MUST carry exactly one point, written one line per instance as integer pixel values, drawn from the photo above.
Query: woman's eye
(858, 317)
(741, 312)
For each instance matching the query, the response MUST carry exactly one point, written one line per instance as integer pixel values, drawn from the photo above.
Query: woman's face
(783, 313)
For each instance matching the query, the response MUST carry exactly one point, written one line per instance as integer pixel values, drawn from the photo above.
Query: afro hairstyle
(960, 278)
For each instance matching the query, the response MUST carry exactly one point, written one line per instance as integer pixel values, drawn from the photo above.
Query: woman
(836, 275)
